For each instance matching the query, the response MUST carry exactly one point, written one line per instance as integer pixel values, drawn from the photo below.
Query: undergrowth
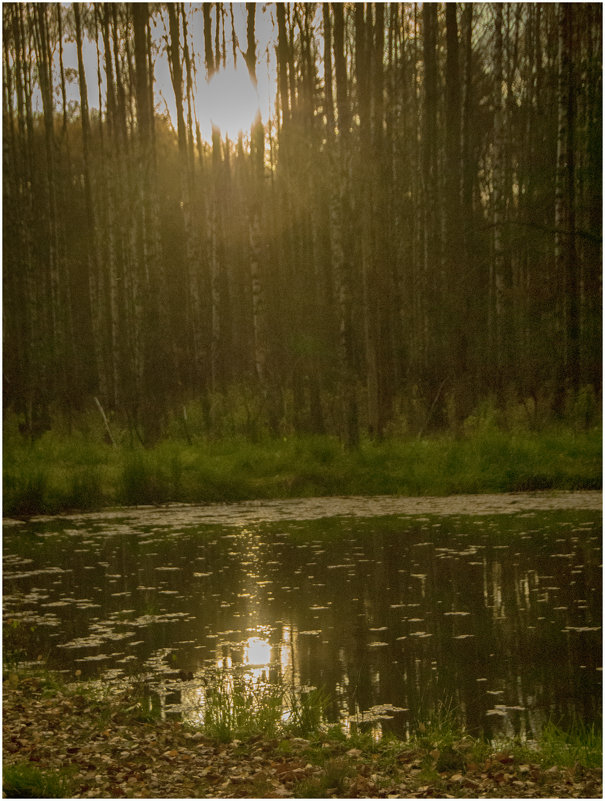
(24, 780)
(60, 472)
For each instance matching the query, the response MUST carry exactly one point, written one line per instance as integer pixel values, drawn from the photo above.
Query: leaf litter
(111, 751)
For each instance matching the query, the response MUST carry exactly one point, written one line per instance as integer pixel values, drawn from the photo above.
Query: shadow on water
(495, 616)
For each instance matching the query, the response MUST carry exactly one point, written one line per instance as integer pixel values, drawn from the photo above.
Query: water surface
(489, 605)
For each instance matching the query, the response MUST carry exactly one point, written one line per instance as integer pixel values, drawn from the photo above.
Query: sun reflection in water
(257, 652)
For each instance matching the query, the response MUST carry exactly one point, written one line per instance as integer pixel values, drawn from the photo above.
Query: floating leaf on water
(202, 575)
(378, 712)
(496, 713)
(581, 629)
(457, 614)
(379, 628)
(463, 636)
(377, 644)
(310, 633)
(57, 604)
(93, 658)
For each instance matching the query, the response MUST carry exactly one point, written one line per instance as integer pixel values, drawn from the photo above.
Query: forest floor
(60, 742)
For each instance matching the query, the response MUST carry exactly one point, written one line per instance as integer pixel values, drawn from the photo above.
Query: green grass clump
(332, 781)
(237, 707)
(24, 780)
(579, 745)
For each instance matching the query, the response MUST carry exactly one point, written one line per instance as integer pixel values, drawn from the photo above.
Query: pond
(397, 608)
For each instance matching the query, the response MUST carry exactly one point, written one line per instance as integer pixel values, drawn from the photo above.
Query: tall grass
(62, 471)
(239, 707)
(579, 745)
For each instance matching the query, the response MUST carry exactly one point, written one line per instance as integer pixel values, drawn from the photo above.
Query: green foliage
(237, 706)
(332, 780)
(306, 710)
(66, 472)
(24, 780)
(579, 745)
(442, 730)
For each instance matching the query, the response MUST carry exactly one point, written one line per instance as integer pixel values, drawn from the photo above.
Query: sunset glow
(231, 101)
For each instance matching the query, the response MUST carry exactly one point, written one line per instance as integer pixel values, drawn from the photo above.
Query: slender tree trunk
(565, 240)
(496, 304)
(175, 13)
(456, 274)
(92, 298)
(340, 239)
(54, 380)
(432, 264)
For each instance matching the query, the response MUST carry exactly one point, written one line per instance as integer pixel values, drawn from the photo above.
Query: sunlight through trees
(411, 225)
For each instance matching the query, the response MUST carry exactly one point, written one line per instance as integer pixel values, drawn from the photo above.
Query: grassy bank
(60, 472)
(64, 742)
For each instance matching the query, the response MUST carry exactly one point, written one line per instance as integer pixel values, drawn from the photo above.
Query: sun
(231, 101)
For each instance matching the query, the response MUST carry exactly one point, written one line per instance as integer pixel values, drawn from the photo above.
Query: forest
(413, 227)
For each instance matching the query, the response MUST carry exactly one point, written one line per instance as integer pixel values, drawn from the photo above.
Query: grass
(236, 707)
(61, 472)
(24, 780)
(578, 745)
(331, 781)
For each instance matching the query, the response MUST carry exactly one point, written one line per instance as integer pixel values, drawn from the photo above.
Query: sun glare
(232, 101)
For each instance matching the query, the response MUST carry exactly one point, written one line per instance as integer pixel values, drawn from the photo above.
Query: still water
(487, 605)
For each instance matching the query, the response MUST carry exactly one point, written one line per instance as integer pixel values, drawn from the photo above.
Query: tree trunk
(565, 243)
